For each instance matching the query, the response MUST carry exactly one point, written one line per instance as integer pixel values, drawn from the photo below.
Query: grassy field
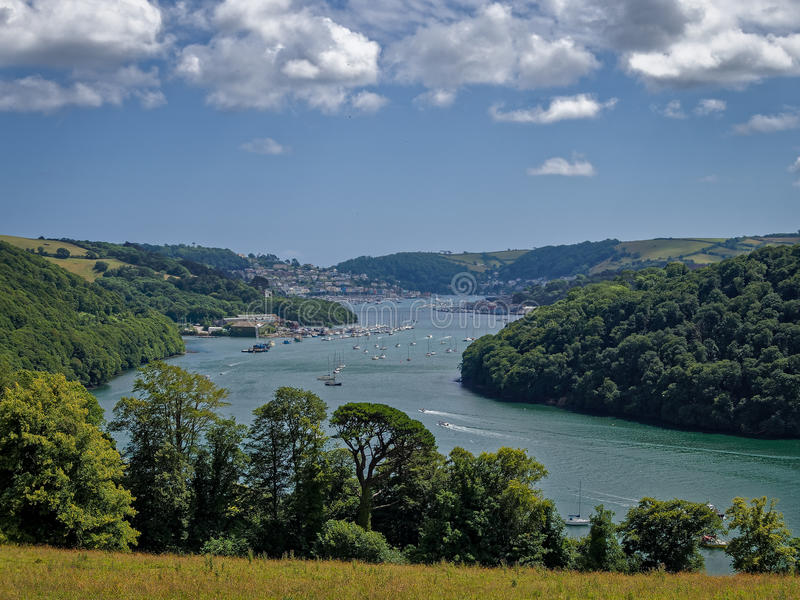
(80, 266)
(483, 261)
(50, 246)
(37, 572)
(701, 251)
(83, 267)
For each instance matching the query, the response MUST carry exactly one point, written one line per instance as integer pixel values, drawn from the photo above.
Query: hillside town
(294, 279)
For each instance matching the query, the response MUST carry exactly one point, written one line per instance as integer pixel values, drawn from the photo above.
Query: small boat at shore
(576, 519)
(712, 541)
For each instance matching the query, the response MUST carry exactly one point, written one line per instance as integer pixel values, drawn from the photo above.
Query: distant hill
(218, 258)
(52, 320)
(425, 271)
(433, 271)
(551, 262)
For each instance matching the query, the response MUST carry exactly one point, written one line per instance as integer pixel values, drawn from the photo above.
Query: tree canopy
(382, 440)
(713, 349)
(668, 533)
(167, 423)
(59, 475)
(763, 543)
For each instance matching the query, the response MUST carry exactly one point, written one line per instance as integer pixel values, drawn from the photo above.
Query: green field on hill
(83, 267)
(40, 572)
(50, 246)
(700, 251)
(485, 261)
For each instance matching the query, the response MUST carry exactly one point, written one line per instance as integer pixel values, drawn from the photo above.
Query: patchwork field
(700, 251)
(39, 572)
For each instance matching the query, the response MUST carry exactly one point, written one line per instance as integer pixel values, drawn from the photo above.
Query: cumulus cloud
(264, 146)
(369, 102)
(622, 24)
(769, 123)
(580, 106)
(59, 33)
(34, 93)
(493, 47)
(264, 52)
(729, 43)
(710, 106)
(561, 166)
(89, 47)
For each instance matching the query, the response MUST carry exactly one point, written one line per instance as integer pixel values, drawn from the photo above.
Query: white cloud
(795, 166)
(369, 102)
(709, 179)
(78, 33)
(264, 146)
(264, 52)
(436, 98)
(710, 106)
(580, 106)
(90, 48)
(493, 47)
(769, 123)
(729, 43)
(34, 93)
(561, 166)
(672, 110)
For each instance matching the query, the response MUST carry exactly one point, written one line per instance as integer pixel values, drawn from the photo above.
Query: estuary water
(616, 461)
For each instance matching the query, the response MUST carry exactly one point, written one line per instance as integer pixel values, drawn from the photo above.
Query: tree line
(191, 480)
(717, 349)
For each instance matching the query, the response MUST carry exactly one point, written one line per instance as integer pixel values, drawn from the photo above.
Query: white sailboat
(577, 519)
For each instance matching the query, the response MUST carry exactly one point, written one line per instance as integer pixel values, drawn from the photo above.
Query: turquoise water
(617, 461)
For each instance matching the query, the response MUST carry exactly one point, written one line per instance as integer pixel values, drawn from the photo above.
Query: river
(616, 461)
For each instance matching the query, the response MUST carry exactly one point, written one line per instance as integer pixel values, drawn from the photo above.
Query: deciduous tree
(59, 475)
(764, 543)
(382, 440)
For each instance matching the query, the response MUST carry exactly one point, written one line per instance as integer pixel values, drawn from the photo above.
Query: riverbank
(42, 572)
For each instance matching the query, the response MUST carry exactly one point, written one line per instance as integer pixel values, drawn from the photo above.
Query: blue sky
(327, 130)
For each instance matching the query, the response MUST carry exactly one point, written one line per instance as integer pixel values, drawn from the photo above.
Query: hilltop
(510, 270)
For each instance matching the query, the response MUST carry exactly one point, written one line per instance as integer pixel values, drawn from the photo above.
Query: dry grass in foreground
(38, 572)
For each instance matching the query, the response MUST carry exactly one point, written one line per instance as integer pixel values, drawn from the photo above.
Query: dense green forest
(425, 271)
(714, 349)
(218, 258)
(551, 262)
(55, 321)
(186, 290)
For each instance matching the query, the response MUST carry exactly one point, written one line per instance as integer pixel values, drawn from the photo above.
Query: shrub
(343, 540)
(62, 253)
(229, 545)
